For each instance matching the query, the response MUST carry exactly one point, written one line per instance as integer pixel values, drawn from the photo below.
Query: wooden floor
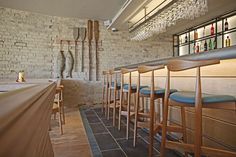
(74, 142)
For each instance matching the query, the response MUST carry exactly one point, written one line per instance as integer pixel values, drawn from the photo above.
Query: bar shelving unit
(180, 47)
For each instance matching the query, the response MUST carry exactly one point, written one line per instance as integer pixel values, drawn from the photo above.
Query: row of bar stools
(153, 93)
(197, 100)
(125, 108)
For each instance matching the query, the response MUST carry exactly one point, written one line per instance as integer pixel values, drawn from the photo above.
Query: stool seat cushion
(189, 98)
(118, 85)
(157, 90)
(133, 87)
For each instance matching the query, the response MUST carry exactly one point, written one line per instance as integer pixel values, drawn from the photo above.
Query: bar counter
(222, 54)
(24, 119)
(219, 126)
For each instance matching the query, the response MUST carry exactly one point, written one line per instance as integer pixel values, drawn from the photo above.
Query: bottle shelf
(218, 38)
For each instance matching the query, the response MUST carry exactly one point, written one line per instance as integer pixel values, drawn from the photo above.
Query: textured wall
(29, 42)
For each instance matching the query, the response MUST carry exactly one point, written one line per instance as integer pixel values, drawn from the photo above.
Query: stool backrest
(110, 76)
(179, 65)
(145, 68)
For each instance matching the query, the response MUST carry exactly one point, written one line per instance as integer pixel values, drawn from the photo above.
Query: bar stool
(198, 100)
(115, 86)
(128, 89)
(153, 93)
(58, 107)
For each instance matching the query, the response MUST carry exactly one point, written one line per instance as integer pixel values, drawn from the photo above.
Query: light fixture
(168, 16)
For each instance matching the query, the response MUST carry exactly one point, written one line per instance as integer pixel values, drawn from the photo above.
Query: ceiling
(86, 9)
(215, 8)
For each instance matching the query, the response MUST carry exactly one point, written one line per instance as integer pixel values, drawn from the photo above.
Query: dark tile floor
(108, 141)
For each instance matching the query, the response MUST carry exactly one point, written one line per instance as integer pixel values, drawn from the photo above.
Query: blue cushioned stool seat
(157, 90)
(118, 85)
(189, 98)
(133, 87)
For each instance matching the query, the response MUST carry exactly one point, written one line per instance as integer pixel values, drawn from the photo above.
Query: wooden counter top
(24, 120)
(222, 54)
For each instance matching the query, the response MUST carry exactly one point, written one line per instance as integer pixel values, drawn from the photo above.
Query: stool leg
(114, 108)
(164, 128)
(103, 98)
(184, 128)
(151, 126)
(109, 102)
(120, 108)
(198, 116)
(128, 115)
(136, 110)
(106, 107)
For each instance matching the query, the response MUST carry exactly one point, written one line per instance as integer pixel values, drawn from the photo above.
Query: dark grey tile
(118, 134)
(93, 119)
(90, 113)
(113, 153)
(98, 128)
(105, 141)
(107, 122)
(140, 150)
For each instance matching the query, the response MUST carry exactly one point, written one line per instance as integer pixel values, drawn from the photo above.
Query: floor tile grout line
(112, 136)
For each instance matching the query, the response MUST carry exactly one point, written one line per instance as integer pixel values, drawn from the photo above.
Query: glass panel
(219, 42)
(231, 22)
(183, 50)
(231, 39)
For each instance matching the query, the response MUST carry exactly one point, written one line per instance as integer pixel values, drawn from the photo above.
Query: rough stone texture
(30, 42)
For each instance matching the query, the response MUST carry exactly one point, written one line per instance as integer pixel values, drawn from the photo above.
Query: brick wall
(30, 42)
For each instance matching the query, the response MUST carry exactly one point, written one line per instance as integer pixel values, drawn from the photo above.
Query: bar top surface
(223, 53)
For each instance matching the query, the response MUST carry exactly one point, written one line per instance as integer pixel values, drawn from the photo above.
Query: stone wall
(30, 42)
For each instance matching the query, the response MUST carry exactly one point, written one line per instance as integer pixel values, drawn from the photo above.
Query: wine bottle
(194, 45)
(204, 32)
(197, 48)
(227, 42)
(226, 25)
(186, 38)
(205, 46)
(210, 45)
(212, 29)
(195, 35)
(214, 44)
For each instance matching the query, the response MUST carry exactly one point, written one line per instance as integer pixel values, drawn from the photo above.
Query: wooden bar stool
(197, 100)
(58, 107)
(115, 87)
(124, 108)
(153, 93)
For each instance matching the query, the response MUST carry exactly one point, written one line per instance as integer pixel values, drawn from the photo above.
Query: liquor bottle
(205, 46)
(204, 32)
(210, 45)
(226, 25)
(197, 48)
(212, 29)
(194, 50)
(227, 42)
(214, 44)
(186, 38)
(195, 35)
